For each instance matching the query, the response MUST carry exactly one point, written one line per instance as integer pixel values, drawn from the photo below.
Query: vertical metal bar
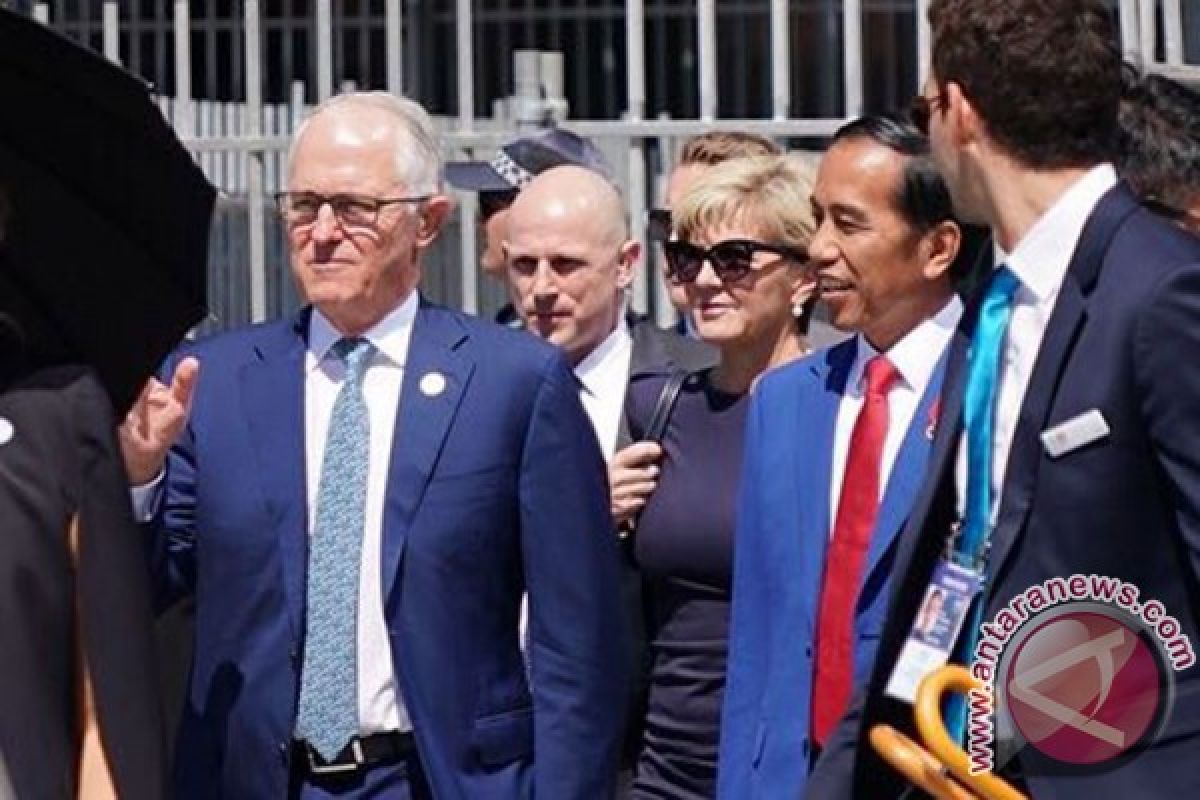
(364, 46)
(465, 61)
(665, 314)
(465, 58)
(1147, 25)
(1128, 10)
(111, 21)
(468, 253)
(852, 56)
(706, 28)
(924, 45)
(210, 53)
(185, 123)
(394, 28)
(41, 13)
(257, 219)
(324, 49)
(635, 86)
(1173, 31)
(635, 58)
(781, 60)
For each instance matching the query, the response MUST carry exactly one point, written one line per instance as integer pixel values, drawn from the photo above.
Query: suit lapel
(272, 386)
(945, 441)
(435, 378)
(907, 473)
(1062, 332)
(821, 424)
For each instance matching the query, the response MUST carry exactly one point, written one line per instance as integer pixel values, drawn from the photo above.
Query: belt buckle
(317, 765)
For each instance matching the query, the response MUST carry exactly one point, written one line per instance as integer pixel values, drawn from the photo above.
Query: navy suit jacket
(496, 485)
(1122, 339)
(784, 519)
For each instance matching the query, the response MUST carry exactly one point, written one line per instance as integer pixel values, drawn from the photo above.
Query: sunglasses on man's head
(732, 259)
(920, 111)
(658, 224)
(490, 203)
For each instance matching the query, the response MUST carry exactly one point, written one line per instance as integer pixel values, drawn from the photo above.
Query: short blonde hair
(774, 193)
(717, 147)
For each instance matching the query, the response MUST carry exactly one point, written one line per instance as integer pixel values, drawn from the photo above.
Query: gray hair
(418, 153)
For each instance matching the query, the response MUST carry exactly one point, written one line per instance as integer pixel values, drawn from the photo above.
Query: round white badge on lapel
(6, 431)
(433, 384)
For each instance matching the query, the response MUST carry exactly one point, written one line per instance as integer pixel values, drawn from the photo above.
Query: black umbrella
(106, 248)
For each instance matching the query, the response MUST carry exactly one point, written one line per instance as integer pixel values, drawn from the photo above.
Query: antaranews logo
(1078, 668)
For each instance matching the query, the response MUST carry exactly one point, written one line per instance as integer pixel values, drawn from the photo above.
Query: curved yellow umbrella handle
(932, 727)
(916, 764)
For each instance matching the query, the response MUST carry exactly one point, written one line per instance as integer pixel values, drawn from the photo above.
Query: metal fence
(242, 146)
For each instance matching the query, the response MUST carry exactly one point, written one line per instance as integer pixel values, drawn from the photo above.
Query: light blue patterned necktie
(979, 421)
(328, 713)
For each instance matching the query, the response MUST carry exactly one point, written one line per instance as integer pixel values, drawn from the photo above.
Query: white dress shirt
(604, 374)
(380, 707)
(914, 357)
(1039, 261)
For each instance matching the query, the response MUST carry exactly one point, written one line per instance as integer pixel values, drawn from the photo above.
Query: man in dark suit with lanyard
(1069, 441)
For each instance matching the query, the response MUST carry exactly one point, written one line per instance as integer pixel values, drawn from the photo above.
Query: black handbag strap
(657, 429)
(665, 405)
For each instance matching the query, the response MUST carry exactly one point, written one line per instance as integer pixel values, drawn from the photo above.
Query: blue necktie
(328, 712)
(979, 417)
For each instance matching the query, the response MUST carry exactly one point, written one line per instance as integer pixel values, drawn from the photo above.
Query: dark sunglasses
(658, 224)
(732, 259)
(490, 203)
(920, 111)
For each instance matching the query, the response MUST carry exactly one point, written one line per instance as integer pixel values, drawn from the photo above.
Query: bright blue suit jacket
(496, 486)
(784, 518)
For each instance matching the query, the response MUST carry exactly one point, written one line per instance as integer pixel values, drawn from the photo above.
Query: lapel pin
(6, 431)
(432, 384)
(935, 412)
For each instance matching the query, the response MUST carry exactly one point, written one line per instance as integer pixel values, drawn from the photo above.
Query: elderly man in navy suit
(1070, 434)
(358, 499)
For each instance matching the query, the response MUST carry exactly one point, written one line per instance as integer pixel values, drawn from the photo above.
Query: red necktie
(856, 512)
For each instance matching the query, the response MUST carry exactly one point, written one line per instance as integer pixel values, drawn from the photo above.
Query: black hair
(1160, 141)
(922, 196)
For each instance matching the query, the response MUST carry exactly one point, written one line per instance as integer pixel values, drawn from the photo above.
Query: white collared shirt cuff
(147, 498)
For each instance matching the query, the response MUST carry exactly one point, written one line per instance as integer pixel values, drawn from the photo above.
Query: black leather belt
(362, 752)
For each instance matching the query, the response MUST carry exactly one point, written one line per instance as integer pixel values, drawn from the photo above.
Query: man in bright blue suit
(359, 497)
(836, 447)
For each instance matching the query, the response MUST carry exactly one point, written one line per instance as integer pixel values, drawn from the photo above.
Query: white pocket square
(1073, 434)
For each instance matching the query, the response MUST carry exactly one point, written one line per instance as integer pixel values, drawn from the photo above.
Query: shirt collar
(1040, 260)
(390, 335)
(910, 355)
(593, 372)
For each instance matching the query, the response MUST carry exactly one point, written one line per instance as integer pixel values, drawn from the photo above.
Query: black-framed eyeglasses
(492, 203)
(658, 224)
(920, 111)
(731, 260)
(351, 210)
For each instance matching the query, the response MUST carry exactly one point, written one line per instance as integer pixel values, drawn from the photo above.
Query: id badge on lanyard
(938, 623)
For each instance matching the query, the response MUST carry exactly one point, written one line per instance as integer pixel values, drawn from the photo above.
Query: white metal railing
(243, 147)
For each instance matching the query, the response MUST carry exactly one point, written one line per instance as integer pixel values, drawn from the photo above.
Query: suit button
(283, 752)
(808, 651)
(294, 654)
